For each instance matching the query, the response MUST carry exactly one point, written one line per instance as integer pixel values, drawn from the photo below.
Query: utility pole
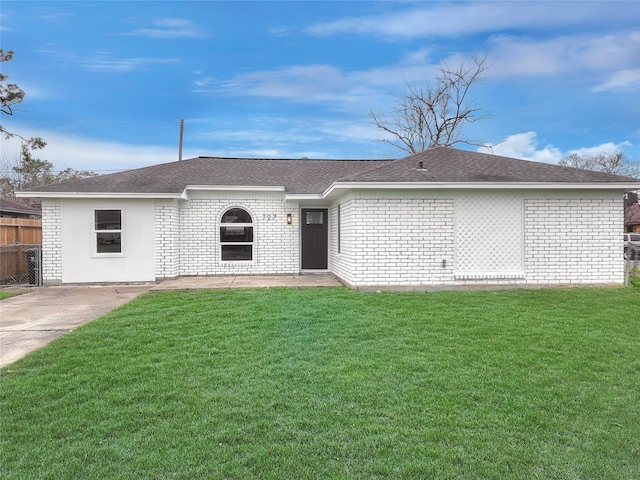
(181, 136)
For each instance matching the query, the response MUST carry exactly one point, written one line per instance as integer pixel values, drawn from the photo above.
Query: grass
(332, 383)
(4, 295)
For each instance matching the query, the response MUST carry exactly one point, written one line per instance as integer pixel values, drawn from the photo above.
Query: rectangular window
(108, 231)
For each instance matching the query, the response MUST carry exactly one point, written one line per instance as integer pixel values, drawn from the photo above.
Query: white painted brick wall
(51, 242)
(275, 246)
(574, 239)
(390, 241)
(166, 239)
(387, 238)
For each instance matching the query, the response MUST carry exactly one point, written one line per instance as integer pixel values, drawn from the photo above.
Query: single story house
(442, 217)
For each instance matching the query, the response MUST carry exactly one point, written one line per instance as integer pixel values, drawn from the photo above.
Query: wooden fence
(20, 230)
(17, 237)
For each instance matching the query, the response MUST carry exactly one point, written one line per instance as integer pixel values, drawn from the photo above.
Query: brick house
(443, 217)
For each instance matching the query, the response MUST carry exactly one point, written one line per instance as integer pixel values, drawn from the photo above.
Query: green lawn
(335, 384)
(4, 295)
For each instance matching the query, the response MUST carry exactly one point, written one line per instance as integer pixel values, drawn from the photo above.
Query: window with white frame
(236, 235)
(108, 231)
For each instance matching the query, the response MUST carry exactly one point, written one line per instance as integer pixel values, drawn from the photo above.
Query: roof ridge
(303, 159)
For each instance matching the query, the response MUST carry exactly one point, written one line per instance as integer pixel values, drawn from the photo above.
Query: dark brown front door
(315, 233)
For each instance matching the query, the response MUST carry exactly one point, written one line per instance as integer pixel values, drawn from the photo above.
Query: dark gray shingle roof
(315, 176)
(11, 206)
(449, 165)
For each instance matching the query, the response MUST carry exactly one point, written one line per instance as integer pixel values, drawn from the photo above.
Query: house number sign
(269, 217)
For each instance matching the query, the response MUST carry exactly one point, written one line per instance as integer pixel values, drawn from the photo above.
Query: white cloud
(447, 19)
(85, 153)
(170, 28)
(510, 56)
(575, 54)
(525, 146)
(103, 62)
(106, 62)
(621, 80)
(608, 147)
(325, 84)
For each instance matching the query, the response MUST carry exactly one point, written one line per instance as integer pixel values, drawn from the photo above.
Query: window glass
(108, 219)
(108, 231)
(236, 241)
(236, 215)
(236, 234)
(236, 252)
(315, 218)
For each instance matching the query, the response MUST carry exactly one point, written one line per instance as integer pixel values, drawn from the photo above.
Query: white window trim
(239, 225)
(94, 239)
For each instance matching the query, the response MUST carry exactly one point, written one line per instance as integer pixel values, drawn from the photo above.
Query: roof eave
(238, 188)
(27, 194)
(335, 187)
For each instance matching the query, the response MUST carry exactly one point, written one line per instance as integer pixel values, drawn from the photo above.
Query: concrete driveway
(31, 320)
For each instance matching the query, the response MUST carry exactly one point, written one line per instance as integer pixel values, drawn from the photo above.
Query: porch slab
(248, 281)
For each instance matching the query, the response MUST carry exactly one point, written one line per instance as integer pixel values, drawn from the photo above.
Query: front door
(315, 234)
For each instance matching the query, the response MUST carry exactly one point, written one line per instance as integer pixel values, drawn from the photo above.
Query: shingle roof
(304, 176)
(11, 206)
(449, 165)
(296, 176)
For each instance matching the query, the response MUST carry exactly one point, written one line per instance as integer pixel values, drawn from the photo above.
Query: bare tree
(614, 163)
(435, 114)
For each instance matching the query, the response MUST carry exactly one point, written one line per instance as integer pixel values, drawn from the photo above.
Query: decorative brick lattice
(489, 236)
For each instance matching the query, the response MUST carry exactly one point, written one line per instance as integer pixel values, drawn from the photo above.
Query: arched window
(236, 235)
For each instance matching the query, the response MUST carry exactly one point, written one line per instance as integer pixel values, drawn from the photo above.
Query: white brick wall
(51, 242)
(342, 264)
(275, 246)
(574, 239)
(388, 239)
(166, 239)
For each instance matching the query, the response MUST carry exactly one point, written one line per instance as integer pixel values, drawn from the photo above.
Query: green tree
(29, 172)
(33, 172)
(11, 94)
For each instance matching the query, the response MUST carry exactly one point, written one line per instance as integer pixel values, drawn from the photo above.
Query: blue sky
(107, 82)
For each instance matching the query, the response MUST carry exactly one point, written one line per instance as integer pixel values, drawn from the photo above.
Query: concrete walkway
(31, 320)
(249, 281)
